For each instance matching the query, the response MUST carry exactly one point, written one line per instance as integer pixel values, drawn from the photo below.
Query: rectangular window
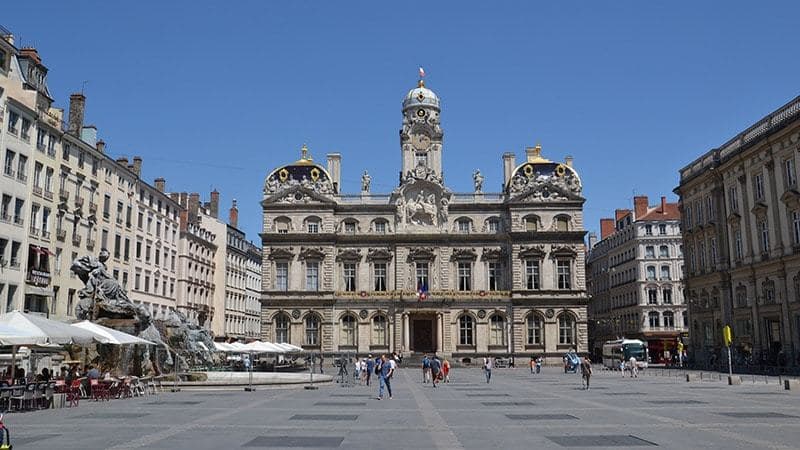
(733, 198)
(380, 276)
(758, 186)
(422, 276)
(665, 273)
(662, 229)
(380, 227)
(421, 159)
(710, 207)
(796, 226)
(493, 226)
(649, 252)
(564, 272)
(494, 276)
(9, 165)
(349, 272)
(651, 273)
(652, 297)
(350, 227)
(312, 276)
(789, 173)
(712, 246)
(463, 226)
(737, 239)
(282, 276)
(648, 230)
(464, 276)
(13, 122)
(663, 252)
(532, 274)
(666, 294)
(117, 245)
(127, 250)
(120, 209)
(313, 227)
(763, 227)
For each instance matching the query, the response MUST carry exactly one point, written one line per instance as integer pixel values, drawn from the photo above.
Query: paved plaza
(517, 410)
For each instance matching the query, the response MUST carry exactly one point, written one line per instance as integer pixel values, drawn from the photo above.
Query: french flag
(421, 72)
(422, 293)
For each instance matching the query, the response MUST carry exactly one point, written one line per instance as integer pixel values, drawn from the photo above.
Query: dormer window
(380, 227)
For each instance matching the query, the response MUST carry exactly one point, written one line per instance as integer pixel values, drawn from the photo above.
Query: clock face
(420, 113)
(420, 141)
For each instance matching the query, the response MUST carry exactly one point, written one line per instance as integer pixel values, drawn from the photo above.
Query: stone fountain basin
(259, 378)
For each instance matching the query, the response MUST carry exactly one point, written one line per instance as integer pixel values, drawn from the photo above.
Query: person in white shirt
(633, 367)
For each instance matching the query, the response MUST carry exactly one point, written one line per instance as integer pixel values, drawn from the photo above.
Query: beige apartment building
(741, 231)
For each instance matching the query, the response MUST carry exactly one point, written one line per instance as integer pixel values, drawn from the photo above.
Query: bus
(614, 352)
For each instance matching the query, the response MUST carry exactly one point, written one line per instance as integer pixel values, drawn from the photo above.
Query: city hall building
(423, 268)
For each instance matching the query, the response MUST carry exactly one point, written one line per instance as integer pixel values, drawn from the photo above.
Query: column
(405, 333)
(439, 325)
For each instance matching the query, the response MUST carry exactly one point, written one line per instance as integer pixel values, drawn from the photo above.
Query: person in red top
(446, 370)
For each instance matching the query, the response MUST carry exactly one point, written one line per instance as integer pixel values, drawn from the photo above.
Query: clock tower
(421, 135)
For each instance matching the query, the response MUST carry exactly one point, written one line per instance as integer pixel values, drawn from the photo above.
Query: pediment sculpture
(422, 207)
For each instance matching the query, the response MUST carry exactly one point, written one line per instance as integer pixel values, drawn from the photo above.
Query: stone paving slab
(515, 410)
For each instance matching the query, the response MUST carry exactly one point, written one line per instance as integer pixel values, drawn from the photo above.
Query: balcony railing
(5, 218)
(78, 201)
(34, 231)
(92, 207)
(76, 239)
(37, 190)
(90, 244)
(61, 235)
(48, 195)
(45, 234)
(22, 177)
(63, 194)
(18, 220)
(14, 263)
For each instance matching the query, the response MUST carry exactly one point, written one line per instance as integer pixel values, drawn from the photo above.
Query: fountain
(104, 301)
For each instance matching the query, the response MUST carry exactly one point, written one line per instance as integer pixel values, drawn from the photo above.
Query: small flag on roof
(421, 72)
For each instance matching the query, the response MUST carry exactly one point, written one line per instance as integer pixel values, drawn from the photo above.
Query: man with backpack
(426, 368)
(436, 369)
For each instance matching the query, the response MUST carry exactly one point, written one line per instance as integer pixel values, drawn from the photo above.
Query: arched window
(313, 224)
(466, 330)
(497, 330)
(669, 319)
(379, 331)
(283, 225)
(566, 329)
(531, 223)
(535, 329)
(562, 223)
(464, 225)
(312, 330)
(282, 328)
(654, 319)
(348, 331)
(493, 225)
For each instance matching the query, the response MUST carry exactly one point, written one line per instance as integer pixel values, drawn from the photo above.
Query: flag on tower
(421, 72)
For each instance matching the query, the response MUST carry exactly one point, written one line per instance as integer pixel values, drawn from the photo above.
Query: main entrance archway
(423, 333)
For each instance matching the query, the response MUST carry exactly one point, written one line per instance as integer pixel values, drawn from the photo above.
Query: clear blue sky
(216, 94)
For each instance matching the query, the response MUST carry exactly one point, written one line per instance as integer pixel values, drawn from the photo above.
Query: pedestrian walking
(633, 367)
(436, 369)
(370, 368)
(539, 364)
(386, 371)
(488, 365)
(586, 372)
(532, 364)
(426, 368)
(321, 361)
(446, 370)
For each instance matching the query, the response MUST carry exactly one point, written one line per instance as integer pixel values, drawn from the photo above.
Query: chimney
(592, 239)
(194, 207)
(161, 184)
(533, 153)
(640, 204)
(77, 107)
(137, 165)
(606, 228)
(184, 201)
(175, 198)
(335, 170)
(184, 221)
(568, 160)
(213, 205)
(620, 213)
(31, 53)
(101, 146)
(509, 164)
(233, 215)
(123, 161)
(663, 205)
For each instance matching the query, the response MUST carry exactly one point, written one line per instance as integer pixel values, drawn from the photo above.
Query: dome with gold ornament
(303, 172)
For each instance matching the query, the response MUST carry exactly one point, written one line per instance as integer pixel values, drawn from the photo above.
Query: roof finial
(538, 150)
(421, 82)
(304, 152)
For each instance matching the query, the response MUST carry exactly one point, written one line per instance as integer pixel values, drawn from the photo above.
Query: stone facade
(64, 197)
(423, 268)
(635, 279)
(242, 283)
(741, 218)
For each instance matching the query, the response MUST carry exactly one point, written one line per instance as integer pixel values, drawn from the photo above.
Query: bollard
(734, 380)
